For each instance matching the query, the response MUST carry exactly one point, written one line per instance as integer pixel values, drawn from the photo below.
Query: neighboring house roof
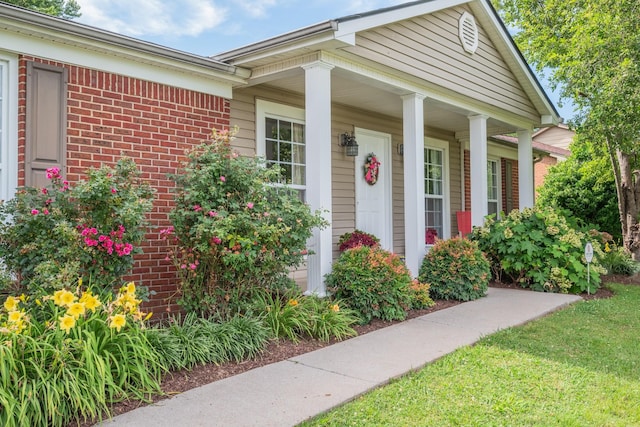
(558, 136)
(27, 32)
(341, 33)
(539, 148)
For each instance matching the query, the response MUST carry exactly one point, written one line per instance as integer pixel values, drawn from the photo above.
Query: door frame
(387, 183)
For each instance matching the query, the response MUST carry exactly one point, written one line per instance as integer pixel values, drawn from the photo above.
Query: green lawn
(577, 367)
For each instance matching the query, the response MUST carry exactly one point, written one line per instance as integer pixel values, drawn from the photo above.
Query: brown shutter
(46, 126)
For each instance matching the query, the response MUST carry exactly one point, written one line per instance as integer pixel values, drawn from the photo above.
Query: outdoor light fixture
(348, 140)
(400, 149)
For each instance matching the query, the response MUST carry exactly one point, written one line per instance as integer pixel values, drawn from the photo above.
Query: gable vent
(468, 32)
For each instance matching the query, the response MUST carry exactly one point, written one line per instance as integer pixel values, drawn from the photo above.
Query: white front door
(373, 202)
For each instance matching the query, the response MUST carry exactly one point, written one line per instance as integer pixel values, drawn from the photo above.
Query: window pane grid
(285, 147)
(434, 193)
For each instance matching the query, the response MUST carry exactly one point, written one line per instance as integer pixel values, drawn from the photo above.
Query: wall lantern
(400, 149)
(348, 140)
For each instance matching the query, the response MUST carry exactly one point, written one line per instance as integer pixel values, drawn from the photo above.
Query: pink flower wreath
(371, 169)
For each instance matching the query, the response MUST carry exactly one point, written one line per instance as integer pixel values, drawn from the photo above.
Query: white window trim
(498, 181)
(267, 109)
(439, 144)
(9, 134)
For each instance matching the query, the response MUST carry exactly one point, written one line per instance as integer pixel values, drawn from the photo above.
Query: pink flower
(183, 266)
(90, 242)
(192, 266)
(213, 213)
(266, 214)
(217, 240)
(197, 208)
(53, 173)
(114, 191)
(45, 191)
(45, 211)
(223, 179)
(102, 238)
(35, 211)
(250, 205)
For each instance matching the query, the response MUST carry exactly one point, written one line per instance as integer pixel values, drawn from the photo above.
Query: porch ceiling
(368, 94)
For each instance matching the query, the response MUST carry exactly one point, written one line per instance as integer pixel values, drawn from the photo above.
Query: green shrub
(420, 295)
(456, 269)
(234, 229)
(373, 282)
(536, 248)
(51, 236)
(193, 340)
(68, 355)
(357, 238)
(293, 316)
(618, 260)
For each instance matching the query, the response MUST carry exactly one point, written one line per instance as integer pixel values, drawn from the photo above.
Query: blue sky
(207, 27)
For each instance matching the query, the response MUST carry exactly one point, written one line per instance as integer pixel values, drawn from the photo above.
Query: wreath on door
(371, 169)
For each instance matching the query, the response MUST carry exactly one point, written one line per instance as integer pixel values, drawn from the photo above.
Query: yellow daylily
(90, 301)
(117, 321)
(129, 288)
(11, 303)
(63, 298)
(67, 322)
(15, 316)
(76, 309)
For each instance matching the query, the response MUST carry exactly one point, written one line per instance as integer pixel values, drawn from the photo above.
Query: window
(281, 141)
(436, 191)
(8, 126)
(493, 187)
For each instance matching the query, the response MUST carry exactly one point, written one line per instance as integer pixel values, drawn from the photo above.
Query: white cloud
(140, 18)
(256, 8)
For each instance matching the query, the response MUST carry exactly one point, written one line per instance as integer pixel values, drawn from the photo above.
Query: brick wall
(110, 115)
(541, 169)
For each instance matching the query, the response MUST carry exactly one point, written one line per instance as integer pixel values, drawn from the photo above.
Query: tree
(591, 50)
(582, 185)
(66, 9)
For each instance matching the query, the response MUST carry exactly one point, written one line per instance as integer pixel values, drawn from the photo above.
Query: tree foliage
(591, 48)
(583, 186)
(66, 9)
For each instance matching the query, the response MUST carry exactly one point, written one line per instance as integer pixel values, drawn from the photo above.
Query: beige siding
(343, 167)
(428, 47)
(557, 137)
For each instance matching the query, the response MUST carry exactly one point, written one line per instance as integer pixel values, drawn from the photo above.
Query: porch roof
(365, 83)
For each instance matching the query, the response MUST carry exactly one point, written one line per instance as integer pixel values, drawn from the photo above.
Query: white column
(318, 176)
(478, 154)
(525, 169)
(413, 131)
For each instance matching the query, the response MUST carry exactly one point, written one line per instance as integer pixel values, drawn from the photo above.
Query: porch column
(413, 131)
(478, 154)
(525, 169)
(318, 175)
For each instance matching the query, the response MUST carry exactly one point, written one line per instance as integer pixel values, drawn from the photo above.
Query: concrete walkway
(289, 392)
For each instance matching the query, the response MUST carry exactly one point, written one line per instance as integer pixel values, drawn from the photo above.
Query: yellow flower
(76, 310)
(90, 302)
(11, 303)
(80, 282)
(148, 316)
(15, 316)
(67, 322)
(606, 247)
(130, 288)
(293, 302)
(117, 321)
(335, 308)
(63, 298)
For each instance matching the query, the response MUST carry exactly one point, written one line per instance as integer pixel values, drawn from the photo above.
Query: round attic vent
(468, 32)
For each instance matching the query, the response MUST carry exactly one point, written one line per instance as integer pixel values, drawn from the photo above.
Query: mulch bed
(178, 382)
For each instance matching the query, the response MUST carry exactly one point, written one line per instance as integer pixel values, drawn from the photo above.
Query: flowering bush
(374, 283)
(456, 269)
(357, 238)
(234, 227)
(52, 235)
(70, 353)
(538, 249)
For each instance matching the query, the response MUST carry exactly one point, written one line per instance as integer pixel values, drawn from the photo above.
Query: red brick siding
(110, 115)
(540, 170)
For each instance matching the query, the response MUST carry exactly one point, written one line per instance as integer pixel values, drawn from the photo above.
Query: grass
(577, 367)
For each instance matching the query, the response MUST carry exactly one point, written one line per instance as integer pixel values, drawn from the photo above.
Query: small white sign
(588, 252)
